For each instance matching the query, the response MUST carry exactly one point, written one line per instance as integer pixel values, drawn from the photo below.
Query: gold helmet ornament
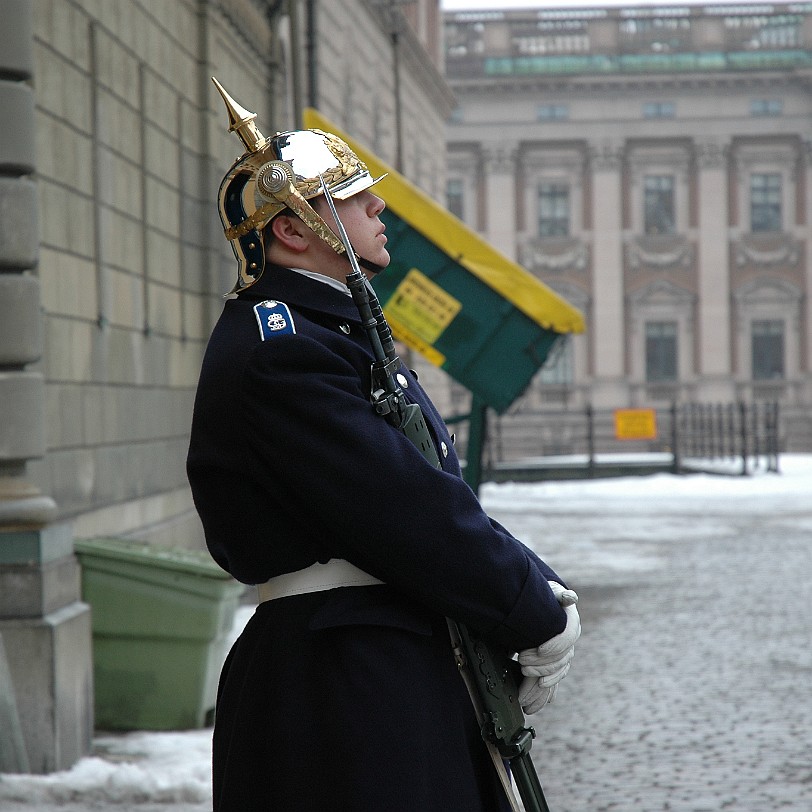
(277, 173)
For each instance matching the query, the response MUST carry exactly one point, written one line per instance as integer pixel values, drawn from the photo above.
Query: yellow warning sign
(415, 343)
(421, 308)
(635, 424)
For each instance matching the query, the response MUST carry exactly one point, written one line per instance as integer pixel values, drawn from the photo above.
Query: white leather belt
(315, 578)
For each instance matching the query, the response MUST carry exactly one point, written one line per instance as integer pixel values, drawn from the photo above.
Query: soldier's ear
(288, 230)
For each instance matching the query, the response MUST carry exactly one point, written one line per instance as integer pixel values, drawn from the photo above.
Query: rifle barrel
(527, 782)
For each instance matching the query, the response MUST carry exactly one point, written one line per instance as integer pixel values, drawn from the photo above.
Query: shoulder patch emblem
(273, 319)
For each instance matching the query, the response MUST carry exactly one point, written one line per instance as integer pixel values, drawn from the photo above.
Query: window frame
(457, 196)
(653, 355)
(659, 109)
(766, 203)
(652, 216)
(559, 369)
(558, 224)
(766, 107)
(772, 348)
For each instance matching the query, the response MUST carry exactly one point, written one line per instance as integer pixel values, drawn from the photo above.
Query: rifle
(489, 674)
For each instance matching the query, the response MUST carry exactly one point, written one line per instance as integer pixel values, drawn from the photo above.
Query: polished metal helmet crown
(276, 173)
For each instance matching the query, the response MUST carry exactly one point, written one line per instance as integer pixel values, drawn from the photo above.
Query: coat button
(453, 438)
(444, 449)
(402, 380)
(344, 327)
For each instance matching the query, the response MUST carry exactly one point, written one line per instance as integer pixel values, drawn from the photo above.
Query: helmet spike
(241, 121)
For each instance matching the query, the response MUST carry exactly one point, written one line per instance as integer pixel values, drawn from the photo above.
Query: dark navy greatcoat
(347, 699)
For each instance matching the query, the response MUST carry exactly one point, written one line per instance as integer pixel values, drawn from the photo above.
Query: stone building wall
(132, 144)
(125, 264)
(113, 267)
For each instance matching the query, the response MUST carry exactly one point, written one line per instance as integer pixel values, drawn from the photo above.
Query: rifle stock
(492, 680)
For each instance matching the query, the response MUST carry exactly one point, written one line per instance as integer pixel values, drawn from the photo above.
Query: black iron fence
(734, 431)
(733, 437)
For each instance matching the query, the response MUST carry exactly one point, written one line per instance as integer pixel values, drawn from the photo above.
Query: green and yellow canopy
(454, 298)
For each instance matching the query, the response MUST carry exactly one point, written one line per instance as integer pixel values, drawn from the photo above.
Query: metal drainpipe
(312, 56)
(295, 62)
(398, 102)
(273, 14)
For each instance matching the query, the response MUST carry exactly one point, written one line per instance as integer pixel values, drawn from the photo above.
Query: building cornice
(632, 10)
(632, 84)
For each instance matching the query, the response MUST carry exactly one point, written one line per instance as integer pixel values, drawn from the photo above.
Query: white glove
(544, 667)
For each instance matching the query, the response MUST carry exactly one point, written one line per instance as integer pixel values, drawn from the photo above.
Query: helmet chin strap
(367, 265)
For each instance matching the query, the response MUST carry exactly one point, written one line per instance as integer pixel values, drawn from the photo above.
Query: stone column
(607, 332)
(46, 668)
(715, 381)
(500, 199)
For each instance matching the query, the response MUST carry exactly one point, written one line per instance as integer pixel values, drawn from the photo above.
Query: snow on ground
(565, 522)
(128, 769)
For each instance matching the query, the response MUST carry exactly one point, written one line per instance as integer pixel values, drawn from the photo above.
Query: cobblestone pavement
(691, 688)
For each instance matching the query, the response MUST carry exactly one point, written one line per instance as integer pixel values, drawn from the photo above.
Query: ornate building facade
(654, 166)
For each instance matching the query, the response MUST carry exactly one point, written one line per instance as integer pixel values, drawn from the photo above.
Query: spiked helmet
(276, 173)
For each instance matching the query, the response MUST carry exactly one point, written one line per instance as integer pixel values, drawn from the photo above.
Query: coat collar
(301, 292)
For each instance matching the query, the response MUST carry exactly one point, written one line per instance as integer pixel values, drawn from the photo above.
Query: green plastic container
(161, 623)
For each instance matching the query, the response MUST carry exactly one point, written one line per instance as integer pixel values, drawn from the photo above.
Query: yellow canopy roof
(510, 280)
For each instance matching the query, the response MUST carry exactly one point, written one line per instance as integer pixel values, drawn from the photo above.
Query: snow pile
(132, 768)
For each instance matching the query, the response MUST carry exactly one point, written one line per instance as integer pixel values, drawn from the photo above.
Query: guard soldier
(342, 692)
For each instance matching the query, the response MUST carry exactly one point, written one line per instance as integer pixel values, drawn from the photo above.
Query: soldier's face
(360, 216)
